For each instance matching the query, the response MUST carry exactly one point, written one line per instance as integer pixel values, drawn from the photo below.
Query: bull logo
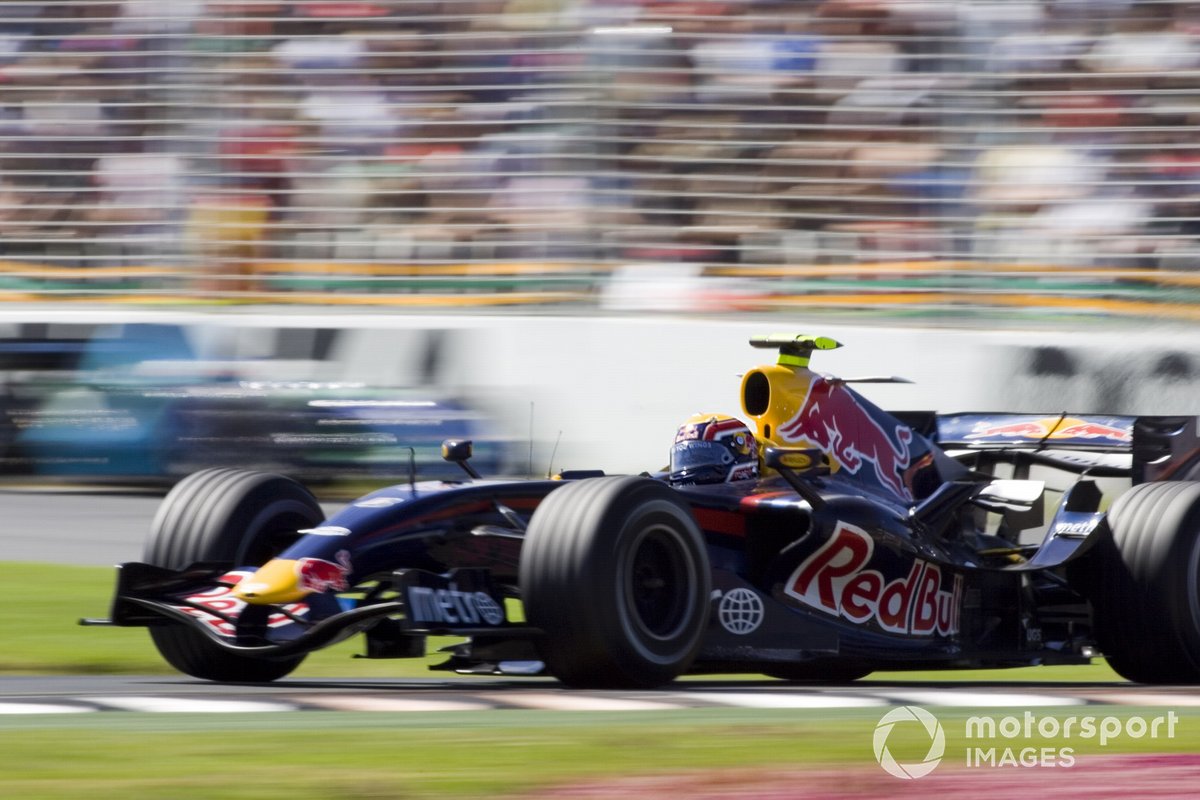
(836, 420)
(319, 575)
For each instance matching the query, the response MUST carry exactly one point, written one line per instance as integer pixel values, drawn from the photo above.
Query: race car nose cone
(277, 581)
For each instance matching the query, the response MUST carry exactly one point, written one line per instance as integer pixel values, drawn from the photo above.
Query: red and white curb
(565, 700)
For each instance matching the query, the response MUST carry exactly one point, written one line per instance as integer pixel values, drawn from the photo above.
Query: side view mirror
(802, 461)
(459, 451)
(797, 463)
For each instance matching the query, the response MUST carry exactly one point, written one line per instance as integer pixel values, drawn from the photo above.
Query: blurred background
(307, 235)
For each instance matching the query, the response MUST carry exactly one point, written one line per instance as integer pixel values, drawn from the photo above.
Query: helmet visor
(693, 454)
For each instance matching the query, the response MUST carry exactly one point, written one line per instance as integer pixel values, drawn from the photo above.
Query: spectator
(240, 133)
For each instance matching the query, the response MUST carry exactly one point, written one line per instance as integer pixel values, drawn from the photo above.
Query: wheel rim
(658, 583)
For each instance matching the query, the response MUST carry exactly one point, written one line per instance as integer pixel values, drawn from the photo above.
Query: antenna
(530, 473)
(412, 470)
(550, 466)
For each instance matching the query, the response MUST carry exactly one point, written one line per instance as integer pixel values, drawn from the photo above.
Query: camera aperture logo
(932, 729)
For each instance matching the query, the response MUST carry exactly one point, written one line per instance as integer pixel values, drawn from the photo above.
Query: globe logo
(488, 609)
(932, 728)
(740, 611)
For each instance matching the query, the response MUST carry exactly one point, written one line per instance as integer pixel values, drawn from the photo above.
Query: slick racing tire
(225, 515)
(1147, 597)
(615, 572)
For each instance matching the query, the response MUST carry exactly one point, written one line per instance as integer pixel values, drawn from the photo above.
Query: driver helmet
(713, 448)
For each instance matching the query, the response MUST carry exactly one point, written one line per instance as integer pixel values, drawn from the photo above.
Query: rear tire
(1146, 600)
(615, 571)
(225, 515)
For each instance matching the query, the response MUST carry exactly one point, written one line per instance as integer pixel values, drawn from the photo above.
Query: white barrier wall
(617, 387)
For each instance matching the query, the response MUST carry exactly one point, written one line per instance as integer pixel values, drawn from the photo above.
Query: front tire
(232, 516)
(615, 572)
(1146, 601)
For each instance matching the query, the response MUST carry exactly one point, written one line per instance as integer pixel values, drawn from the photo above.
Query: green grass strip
(332, 755)
(44, 603)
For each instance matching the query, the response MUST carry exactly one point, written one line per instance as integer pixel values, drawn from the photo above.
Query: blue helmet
(713, 448)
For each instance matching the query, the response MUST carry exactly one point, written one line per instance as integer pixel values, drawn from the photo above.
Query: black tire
(615, 571)
(818, 672)
(244, 518)
(1146, 600)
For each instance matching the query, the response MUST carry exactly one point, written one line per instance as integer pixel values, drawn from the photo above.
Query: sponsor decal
(834, 580)
(740, 611)
(453, 607)
(325, 530)
(834, 419)
(489, 610)
(1050, 428)
(796, 460)
(319, 575)
(379, 502)
(207, 605)
(1075, 528)
(743, 472)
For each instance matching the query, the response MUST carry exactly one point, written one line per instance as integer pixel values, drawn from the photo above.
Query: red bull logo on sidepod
(833, 418)
(319, 575)
(834, 580)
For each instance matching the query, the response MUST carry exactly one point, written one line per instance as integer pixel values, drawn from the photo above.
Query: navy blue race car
(818, 537)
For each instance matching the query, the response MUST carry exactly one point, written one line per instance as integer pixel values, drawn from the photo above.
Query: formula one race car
(869, 541)
(136, 402)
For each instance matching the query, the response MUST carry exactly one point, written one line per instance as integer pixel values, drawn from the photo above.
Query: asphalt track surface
(82, 527)
(102, 529)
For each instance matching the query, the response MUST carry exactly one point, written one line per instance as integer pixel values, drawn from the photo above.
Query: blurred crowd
(241, 136)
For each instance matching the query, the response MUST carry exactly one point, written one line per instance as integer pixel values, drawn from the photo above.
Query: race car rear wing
(1161, 447)
(1058, 431)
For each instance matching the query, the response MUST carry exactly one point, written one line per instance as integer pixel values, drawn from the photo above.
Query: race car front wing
(420, 603)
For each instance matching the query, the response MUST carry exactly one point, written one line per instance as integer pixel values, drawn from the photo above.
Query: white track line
(41, 708)
(187, 705)
(1163, 699)
(959, 697)
(567, 701)
(783, 699)
(397, 704)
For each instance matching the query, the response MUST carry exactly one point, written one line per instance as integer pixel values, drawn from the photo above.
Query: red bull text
(833, 580)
